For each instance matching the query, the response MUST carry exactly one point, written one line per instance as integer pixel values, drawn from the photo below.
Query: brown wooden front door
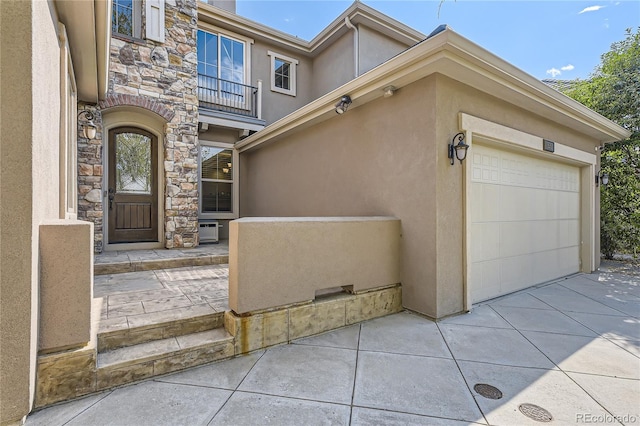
(133, 188)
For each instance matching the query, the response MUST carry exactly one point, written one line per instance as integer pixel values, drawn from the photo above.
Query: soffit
(452, 55)
(88, 29)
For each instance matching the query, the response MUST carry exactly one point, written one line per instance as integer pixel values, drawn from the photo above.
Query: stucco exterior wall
(375, 48)
(29, 185)
(454, 97)
(276, 105)
(377, 159)
(333, 67)
(389, 157)
(358, 253)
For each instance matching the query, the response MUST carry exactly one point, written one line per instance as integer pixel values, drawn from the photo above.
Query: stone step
(116, 266)
(159, 326)
(144, 360)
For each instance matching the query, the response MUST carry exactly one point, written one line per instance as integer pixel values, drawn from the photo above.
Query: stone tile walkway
(571, 348)
(142, 298)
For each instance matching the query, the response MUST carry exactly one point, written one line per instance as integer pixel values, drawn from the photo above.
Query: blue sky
(559, 39)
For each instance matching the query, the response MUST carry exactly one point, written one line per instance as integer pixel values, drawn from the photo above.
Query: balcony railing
(228, 96)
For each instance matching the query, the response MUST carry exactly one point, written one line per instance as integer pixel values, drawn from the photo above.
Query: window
(125, 18)
(283, 73)
(221, 69)
(218, 181)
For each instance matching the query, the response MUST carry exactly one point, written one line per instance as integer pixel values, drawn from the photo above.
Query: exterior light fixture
(458, 150)
(88, 129)
(388, 91)
(343, 104)
(602, 178)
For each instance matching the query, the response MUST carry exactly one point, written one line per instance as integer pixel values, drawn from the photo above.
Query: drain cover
(488, 391)
(536, 413)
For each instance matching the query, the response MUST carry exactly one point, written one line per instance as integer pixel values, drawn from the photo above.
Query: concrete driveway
(566, 353)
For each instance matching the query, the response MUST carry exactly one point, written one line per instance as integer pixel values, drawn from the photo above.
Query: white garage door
(525, 221)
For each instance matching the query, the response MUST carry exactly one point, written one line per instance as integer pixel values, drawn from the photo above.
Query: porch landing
(121, 261)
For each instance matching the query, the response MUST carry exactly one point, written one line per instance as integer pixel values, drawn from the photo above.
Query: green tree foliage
(613, 90)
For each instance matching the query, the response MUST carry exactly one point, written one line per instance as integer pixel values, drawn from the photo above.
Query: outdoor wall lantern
(458, 150)
(602, 178)
(88, 129)
(343, 104)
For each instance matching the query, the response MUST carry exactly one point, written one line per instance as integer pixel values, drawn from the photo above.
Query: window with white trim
(283, 73)
(222, 70)
(126, 18)
(218, 181)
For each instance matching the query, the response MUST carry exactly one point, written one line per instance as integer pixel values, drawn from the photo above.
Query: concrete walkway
(571, 349)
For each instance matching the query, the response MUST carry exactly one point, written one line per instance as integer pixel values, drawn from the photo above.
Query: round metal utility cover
(535, 412)
(488, 391)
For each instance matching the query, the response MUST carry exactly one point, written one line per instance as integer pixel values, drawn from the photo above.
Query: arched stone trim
(137, 101)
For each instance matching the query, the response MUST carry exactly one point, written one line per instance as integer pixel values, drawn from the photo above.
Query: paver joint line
(580, 373)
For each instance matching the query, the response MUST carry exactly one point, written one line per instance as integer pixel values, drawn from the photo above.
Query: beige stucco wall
(276, 105)
(333, 67)
(29, 186)
(228, 5)
(366, 162)
(281, 261)
(66, 284)
(375, 48)
(454, 97)
(389, 157)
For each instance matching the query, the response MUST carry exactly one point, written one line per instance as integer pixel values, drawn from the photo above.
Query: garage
(524, 224)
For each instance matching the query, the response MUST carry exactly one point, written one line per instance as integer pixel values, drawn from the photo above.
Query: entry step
(122, 261)
(132, 363)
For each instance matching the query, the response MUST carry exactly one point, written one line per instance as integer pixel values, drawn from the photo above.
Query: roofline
(88, 25)
(450, 54)
(357, 13)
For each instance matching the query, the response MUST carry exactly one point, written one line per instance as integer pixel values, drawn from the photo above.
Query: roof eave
(89, 33)
(358, 13)
(452, 55)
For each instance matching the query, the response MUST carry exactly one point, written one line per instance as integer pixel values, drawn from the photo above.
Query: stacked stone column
(161, 78)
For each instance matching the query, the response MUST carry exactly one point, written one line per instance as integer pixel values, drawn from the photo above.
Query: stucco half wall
(389, 157)
(281, 261)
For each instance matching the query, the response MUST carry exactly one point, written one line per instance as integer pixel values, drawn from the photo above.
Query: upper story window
(223, 72)
(221, 57)
(283, 73)
(125, 18)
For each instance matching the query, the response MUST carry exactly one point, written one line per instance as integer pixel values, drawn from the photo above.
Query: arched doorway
(132, 200)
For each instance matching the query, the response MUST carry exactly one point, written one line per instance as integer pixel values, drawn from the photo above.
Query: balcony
(229, 97)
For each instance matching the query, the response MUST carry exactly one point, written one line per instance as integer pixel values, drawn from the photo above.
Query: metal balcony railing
(228, 96)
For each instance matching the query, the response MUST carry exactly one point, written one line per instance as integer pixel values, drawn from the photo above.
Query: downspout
(356, 55)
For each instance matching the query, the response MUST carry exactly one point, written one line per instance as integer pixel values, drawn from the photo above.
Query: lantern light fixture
(89, 128)
(458, 150)
(602, 178)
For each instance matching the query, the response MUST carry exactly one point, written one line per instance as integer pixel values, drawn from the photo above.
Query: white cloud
(567, 67)
(553, 72)
(590, 9)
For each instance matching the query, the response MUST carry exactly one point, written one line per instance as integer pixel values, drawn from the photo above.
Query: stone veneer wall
(90, 172)
(161, 78)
